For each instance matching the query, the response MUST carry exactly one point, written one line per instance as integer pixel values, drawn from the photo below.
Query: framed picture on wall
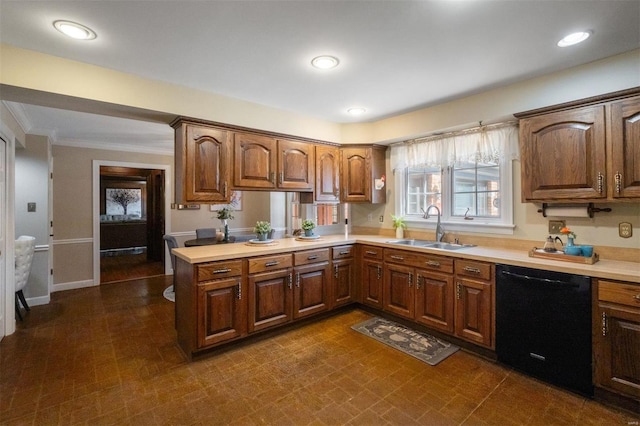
(123, 201)
(234, 204)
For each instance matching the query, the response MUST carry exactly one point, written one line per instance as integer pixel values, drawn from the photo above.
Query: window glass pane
(424, 187)
(476, 190)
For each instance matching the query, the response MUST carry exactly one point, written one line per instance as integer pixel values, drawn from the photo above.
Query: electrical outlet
(381, 218)
(625, 229)
(369, 217)
(556, 225)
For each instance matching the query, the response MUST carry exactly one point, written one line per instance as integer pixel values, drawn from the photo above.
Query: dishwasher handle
(542, 280)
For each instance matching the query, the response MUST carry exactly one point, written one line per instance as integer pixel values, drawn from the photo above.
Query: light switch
(31, 207)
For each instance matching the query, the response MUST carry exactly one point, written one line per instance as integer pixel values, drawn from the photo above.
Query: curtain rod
(477, 129)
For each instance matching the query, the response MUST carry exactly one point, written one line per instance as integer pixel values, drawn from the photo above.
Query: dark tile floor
(107, 355)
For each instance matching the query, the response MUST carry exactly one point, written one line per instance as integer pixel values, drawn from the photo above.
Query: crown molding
(114, 146)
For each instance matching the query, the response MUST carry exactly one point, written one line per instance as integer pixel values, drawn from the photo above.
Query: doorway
(132, 223)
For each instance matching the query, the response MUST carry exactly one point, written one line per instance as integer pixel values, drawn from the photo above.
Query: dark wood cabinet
(312, 278)
(434, 300)
(343, 275)
(221, 311)
(270, 284)
(399, 290)
(202, 163)
(475, 301)
(360, 168)
(263, 162)
(617, 338)
(327, 189)
(583, 151)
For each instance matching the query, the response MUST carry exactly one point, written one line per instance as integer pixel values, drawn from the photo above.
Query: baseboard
(40, 300)
(73, 285)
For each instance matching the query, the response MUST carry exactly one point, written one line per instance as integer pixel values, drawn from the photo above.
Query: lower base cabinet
(371, 276)
(221, 311)
(270, 282)
(343, 276)
(475, 302)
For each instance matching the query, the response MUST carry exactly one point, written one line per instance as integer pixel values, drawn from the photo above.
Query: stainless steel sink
(418, 243)
(449, 246)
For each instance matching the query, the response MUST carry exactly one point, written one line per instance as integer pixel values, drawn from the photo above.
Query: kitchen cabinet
(202, 163)
(360, 167)
(475, 302)
(312, 276)
(435, 293)
(617, 338)
(371, 275)
(264, 162)
(327, 189)
(582, 151)
(270, 297)
(342, 291)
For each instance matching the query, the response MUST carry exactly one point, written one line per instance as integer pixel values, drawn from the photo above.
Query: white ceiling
(396, 56)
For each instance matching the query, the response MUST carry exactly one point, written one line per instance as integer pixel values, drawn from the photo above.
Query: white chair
(24, 249)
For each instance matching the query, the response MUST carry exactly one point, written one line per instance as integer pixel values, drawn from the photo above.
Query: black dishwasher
(543, 325)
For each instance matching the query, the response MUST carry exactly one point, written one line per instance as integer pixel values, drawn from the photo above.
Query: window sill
(475, 225)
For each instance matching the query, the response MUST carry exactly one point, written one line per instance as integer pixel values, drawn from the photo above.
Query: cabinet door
(270, 299)
(399, 294)
(563, 155)
(372, 277)
(618, 354)
(327, 173)
(295, 165)
(356, 175)
(473, 311)
(311, 290)
(202, 159)
(255, 161)
(625, 145)
(434, 300)
(221, 311)
(343, 273)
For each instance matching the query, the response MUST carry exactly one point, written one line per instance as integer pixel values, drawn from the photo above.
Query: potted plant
(308, 226)
(399, 225)
(262, 229)
(224, 215)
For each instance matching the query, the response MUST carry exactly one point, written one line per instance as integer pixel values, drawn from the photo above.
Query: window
(471, 188)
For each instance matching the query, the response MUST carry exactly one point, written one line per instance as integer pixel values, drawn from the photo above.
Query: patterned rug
(419, 345)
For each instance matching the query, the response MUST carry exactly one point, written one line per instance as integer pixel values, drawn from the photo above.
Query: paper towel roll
(578, 211)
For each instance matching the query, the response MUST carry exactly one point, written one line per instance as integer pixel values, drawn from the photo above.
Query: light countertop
(605, 268)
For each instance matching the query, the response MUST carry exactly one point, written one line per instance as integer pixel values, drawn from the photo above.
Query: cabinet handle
(605, 327)
(471, 270)
(290, 280)
(637, 297)
(335, 271)
(281, 177)
(312, 257)
(458, 290)
(433, 263)
(222, 271)
(239, 293)
(298, 279)
(371, 252)
(396, 257)
(419, 281)
(272, 263)
(379, 271)
(600, 182)
(344, 252)
(618, 179)
(225, 189)
(410, 278)
(272, 177)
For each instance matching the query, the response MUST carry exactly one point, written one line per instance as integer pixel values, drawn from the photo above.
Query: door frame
(7, 281)
(96, 206)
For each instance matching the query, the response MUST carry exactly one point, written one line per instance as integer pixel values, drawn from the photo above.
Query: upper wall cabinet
(584, 151)
(263, 162)
(202, 159)
(327, 174)
(360, 168)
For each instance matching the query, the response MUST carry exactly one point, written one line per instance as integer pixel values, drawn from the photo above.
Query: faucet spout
(439, 228)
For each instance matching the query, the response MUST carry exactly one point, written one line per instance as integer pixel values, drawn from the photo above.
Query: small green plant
(225, 213)
(262, 227)
(398, 222)
(308, 224)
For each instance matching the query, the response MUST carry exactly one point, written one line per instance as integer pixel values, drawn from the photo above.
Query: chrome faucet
(439, 228)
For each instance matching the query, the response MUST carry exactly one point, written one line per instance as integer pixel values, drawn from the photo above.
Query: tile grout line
(485, 398)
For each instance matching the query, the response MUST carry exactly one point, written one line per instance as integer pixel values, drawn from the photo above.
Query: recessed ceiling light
(574, 38)
(75, 30)
(325, 62)
(356, 111)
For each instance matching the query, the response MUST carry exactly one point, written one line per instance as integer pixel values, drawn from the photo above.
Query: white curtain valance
(489, 144)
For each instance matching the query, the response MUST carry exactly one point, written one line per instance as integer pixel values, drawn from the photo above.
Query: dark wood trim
(616, 400)
(580, 102)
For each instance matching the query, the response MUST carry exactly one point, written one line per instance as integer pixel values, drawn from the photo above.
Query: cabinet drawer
(342, 252)
(270, 263)
(435, 263)
(619, 292)
(311, 256)
(372, 252)
(217, 270)
(471, 268)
